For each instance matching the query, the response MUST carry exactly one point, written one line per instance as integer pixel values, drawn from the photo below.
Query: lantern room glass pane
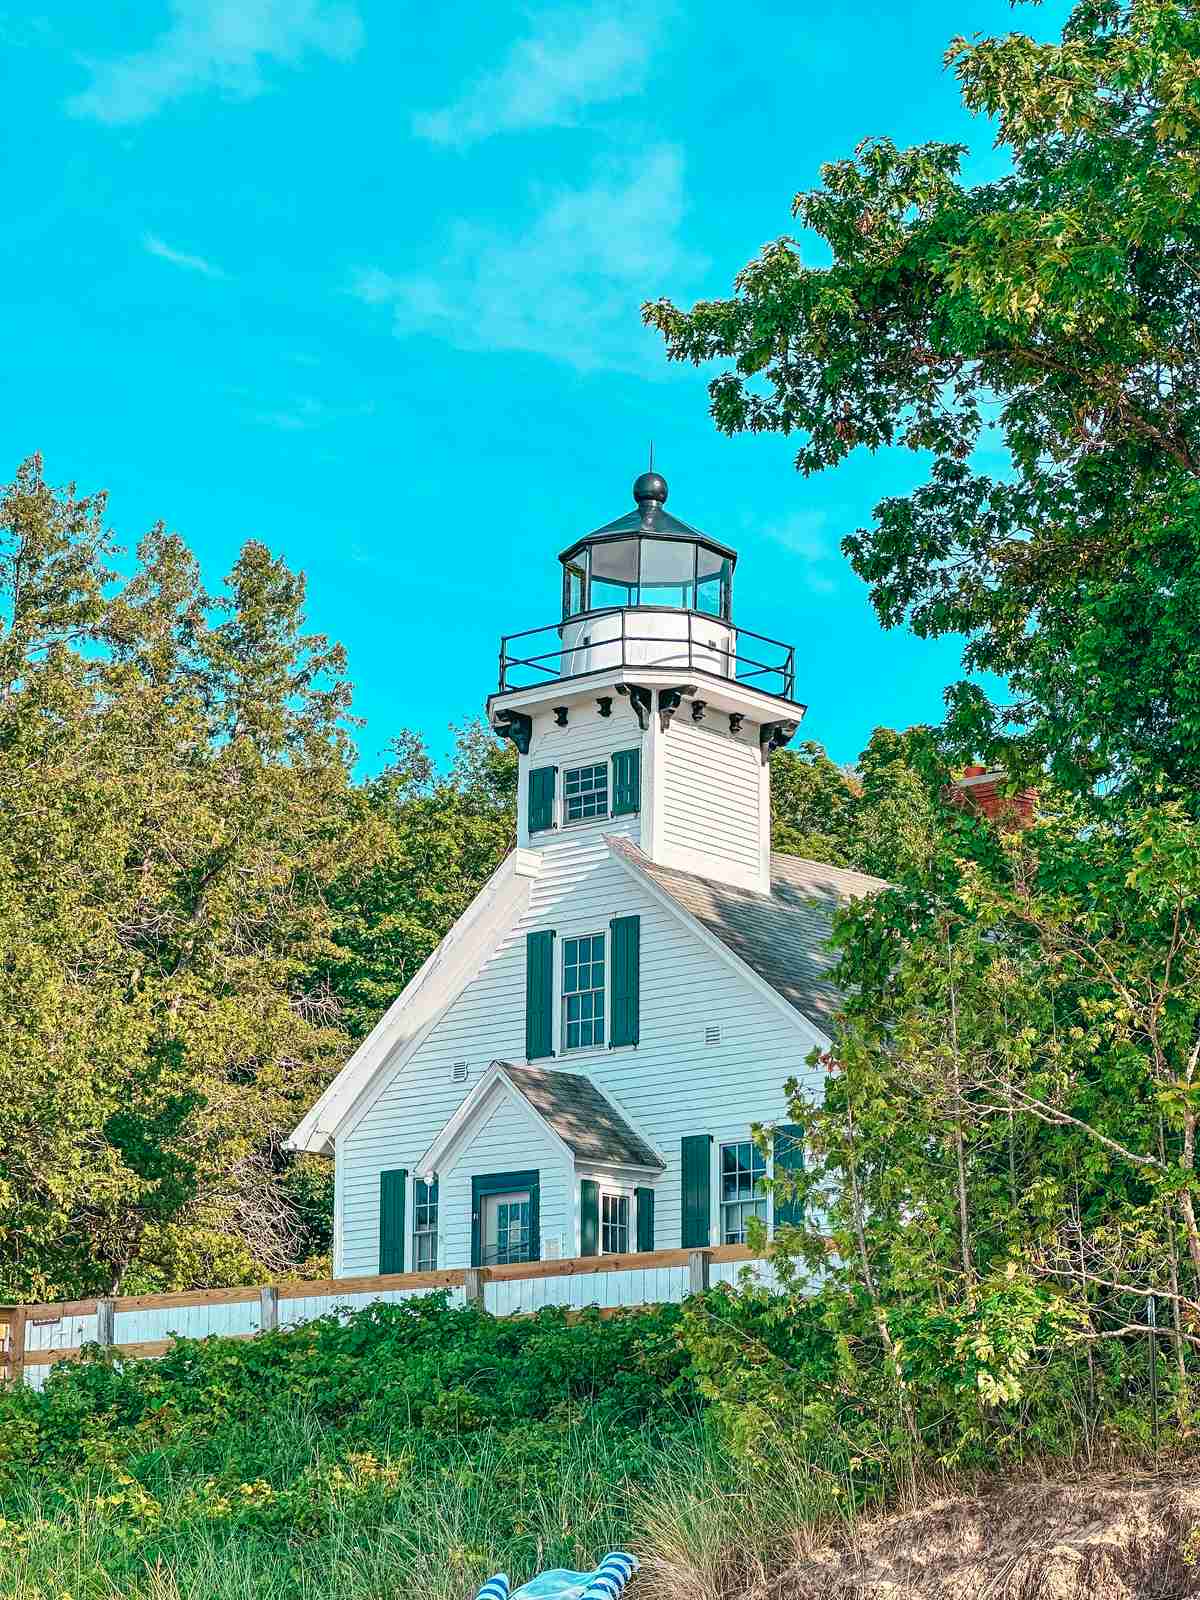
(712, 583)
(575, 587)
(614, 574)
(668, 576)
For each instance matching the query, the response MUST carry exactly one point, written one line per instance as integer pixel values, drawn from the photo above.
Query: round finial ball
(650, 486)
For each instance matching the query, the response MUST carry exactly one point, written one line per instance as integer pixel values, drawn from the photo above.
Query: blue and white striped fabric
(604, 1582)
(495, 1588)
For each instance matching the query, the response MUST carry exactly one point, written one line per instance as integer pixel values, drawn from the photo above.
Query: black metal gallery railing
(598, 641)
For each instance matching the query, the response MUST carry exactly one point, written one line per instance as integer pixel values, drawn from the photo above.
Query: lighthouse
(579, 1068)
(647, 626)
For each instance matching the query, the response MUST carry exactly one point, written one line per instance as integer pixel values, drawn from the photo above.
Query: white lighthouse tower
(647, 628)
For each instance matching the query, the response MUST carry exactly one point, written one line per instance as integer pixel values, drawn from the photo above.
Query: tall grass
(317, 1521)
(391, 1522)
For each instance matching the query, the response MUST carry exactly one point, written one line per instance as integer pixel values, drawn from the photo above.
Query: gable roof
(588, 1124)
(580, 1119)
(781, 936)
(460, 957)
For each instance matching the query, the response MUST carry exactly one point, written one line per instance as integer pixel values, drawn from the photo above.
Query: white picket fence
(139, 1327)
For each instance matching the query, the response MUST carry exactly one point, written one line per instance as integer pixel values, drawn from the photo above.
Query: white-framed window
(741, 1167)
(583, 992)
(585, 793)
(614, 1224)
(425, 1225)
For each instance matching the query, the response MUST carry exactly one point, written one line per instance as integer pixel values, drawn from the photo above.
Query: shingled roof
(782, 936)
(588, 1124)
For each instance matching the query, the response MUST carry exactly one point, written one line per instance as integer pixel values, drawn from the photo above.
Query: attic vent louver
(459, 1072)
(712, 1034)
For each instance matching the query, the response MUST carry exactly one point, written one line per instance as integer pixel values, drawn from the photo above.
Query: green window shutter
(541, 798)
(626, 960)
(696, 1151)
(393, 1187)
(539, 995)
(644, 1200)
(789, 1157)
(589, 1217)
(627, 783)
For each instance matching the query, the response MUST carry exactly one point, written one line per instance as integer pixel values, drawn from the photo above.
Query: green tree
(174, 796)
(878, 817)
(441, 836)
(1053, 313)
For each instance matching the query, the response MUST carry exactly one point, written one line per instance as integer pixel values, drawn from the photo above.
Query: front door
(504, 1219)
(507, 1234)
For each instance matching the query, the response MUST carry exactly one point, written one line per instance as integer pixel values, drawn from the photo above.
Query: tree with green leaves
(1052, 313)
(174, 797)
(875, 816)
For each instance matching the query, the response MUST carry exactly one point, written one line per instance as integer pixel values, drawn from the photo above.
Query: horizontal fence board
(305, 1289)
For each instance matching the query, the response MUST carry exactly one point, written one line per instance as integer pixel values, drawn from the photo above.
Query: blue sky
(362, 280)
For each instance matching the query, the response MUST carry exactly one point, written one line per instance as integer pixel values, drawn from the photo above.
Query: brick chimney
(982, 791)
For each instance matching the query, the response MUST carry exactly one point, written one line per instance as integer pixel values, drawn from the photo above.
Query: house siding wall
(713, 804)
(671, 1085)
(586, 740)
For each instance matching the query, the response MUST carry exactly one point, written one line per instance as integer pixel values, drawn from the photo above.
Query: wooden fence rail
(139, 1326)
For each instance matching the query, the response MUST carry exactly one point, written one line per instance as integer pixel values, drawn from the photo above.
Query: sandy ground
(1101, 1538)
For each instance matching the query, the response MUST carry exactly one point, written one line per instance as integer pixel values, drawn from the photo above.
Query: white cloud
(217, 44)
(569, 286)
(805, 535)
(572, 59)
(180, 258)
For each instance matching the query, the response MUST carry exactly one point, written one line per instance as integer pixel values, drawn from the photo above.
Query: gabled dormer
(644, 709)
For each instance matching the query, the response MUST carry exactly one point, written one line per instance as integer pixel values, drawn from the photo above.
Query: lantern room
(646, 592)
(648, 559)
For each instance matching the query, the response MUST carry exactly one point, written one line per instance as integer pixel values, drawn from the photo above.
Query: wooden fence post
(106, 1323)
(268, 1308)
(473, 1287)
(698, 1265)
(16, 1345)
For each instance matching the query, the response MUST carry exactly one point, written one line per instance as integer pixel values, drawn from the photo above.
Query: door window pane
(507, 1236)
(743, 1166)
(668, 573)
(583, 992)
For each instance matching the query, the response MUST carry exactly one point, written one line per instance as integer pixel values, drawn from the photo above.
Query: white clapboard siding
(672, 1085)
(713, 797)
(638, 1287)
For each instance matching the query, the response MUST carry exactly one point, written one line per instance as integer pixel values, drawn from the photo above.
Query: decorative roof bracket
(514, 725)
(669, 701)
(773, 736)
(639, 701)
